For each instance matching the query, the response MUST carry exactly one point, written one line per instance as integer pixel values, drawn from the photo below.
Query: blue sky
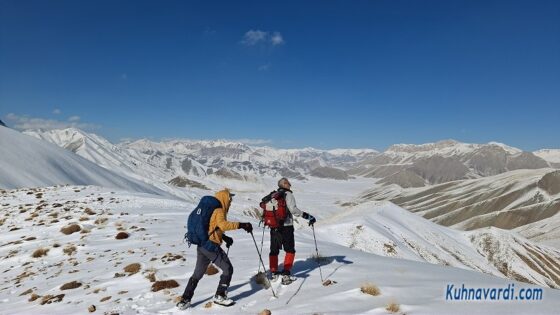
(286, 73)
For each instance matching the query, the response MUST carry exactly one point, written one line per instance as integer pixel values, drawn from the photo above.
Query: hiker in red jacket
(283, 235)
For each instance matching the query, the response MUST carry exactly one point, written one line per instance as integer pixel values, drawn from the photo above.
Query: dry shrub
(101, 220)
(40, 252)
(84, 218)
(91, 308)
(85, 231)
(105, 299)
(70, 285)
(208, 305)
(151, 276)
(265, 312)
(121, 236)
(33, 297)
(72, 228)
(69, 250)
(370, 289)
(48, 299)
(132, 268)
(393, 307)
(88, 211)
(26, 292)
(165, 284)
(211, 270)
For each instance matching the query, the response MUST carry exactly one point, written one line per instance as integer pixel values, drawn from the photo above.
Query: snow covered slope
(550, 155)
(523, 199)
(29, 162)
(91, 264)
(386, 229)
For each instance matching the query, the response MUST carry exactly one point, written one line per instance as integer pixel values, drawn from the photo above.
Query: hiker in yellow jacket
(218, 225)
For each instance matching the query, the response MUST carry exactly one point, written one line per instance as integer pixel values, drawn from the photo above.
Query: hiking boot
(287, 279)
(183, 305)
(275, 276)
(223, 300)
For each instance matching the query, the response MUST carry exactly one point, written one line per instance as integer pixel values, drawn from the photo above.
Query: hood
(224, 197)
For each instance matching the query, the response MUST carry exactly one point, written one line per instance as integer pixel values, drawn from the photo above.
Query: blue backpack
(199, 222)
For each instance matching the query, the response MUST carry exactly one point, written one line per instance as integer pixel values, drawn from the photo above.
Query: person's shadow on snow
(301, 269)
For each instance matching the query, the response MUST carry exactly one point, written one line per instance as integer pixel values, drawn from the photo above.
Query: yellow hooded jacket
(219, 218)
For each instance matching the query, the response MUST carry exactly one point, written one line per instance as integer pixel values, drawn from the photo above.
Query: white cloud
(254, 37)
(264, 67)
(277, 39)
(25, 122)
(56, 111)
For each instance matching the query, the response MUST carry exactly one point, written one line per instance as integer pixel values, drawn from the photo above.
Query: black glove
(228, 240)
(309, 217)
(246, 226)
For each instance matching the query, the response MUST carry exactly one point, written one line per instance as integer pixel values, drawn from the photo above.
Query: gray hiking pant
(203, 258)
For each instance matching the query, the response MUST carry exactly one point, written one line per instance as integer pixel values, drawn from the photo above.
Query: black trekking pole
(262, 241)
(317, 251)
(260, 257)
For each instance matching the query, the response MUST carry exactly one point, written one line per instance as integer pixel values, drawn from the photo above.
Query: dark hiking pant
(203, 258)
(282, 237)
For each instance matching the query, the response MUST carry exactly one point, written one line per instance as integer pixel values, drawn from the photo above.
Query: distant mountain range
(444, 161)
(470, 187)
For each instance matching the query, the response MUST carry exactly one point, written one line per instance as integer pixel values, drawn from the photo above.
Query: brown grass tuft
(91, 308)
(26, 292)
(208, 305)
(132, 268)
(393, 307)
(265, 312)
(40, 252)
(88, 211)
(105, 299)
(121, 236)
(69, 250)
(370, 289)
(33, 297)
(211, 270)
(48, 299)
(151, 276)
(70, 285)
(72, 228)
(101, 221)
(165, 284)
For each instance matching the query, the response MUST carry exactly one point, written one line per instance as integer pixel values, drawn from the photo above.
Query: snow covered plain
(33, 218)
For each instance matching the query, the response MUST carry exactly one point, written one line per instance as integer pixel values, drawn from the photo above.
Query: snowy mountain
(388, 230)
(433, 163)
(521, 199)
(550, 155)
(61, 272)
(169, 159)
(28, 162)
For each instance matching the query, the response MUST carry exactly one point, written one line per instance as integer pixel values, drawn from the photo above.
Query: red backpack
(274, 209)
